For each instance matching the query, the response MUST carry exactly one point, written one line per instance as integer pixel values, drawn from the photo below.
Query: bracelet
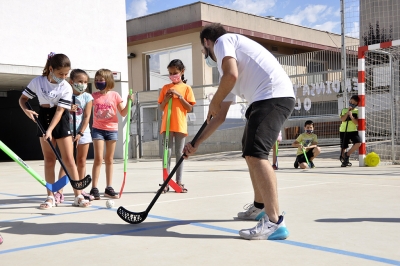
(80, 133)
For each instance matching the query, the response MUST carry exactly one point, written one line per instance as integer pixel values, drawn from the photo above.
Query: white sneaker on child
(251, 213)
(266, 230)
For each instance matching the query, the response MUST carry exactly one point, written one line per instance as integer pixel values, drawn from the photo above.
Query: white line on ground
(222, 195)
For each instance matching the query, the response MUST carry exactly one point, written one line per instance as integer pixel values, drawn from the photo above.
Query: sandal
(87, 196)
(46, 204)
(80, 201)
(166, 189)
(59, 198)
(184, 190)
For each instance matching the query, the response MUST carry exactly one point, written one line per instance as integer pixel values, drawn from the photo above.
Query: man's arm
(211, 127)
(228, 80)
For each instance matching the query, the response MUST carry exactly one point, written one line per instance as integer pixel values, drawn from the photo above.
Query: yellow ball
(372, 159)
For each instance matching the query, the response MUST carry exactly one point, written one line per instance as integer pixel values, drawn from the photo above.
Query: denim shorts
(100, 134)
(264, 121)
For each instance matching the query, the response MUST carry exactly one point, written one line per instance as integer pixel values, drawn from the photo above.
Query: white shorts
(86, 138)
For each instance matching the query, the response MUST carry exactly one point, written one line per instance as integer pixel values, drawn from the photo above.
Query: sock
(258, 205)
(279, 220)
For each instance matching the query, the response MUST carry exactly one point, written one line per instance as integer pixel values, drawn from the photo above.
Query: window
(157, 62)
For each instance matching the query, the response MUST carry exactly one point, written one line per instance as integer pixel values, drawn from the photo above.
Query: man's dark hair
(355, 98)
(212, 32)
(309, 122)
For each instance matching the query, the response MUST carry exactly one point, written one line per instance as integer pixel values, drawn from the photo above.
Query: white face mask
(80, 87)
(210, 62)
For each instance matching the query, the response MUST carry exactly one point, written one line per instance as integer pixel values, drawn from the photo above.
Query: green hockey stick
(127, 137)
(62, 182)
(305, 155)
(166, 145)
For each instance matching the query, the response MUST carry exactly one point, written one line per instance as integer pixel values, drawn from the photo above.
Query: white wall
(92, 33)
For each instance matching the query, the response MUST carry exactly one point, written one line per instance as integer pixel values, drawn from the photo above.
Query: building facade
(155, 39)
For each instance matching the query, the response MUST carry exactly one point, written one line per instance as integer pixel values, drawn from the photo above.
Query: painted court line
(222, 195)
(211, 227)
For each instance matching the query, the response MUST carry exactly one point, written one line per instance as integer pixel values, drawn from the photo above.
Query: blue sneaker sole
(280, 234)
(259, 216)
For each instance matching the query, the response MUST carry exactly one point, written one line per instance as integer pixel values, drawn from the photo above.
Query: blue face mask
(101, 85)
(55, 78)
(309, 131)
(352, 105)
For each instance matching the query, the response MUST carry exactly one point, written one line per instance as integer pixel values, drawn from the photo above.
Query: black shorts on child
(302, 159)
(61, 130)
(353, 136)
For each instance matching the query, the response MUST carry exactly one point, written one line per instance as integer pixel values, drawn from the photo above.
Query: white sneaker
(251, 213)
(266, 230)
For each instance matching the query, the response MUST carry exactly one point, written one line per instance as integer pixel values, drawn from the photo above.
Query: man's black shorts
(264, 121)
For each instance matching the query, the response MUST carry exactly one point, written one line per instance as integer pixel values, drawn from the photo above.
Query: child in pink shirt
(106, 104)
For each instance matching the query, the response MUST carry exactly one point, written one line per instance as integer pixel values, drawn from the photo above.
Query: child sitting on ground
(307, 141)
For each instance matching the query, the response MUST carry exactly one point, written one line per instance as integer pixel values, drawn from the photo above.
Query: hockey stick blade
(62, 182)
(139, 217)
(77, 184)
(52, 187)
(131, 217)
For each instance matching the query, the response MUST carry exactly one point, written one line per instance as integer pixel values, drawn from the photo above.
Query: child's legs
(315, 152)
(355, 139)
(303, 165)
(98, 147)
(49, 162)
(179, 144)
(67, 154)
(81, 156)
(302, 161)
(344, 142)
(169, 152)
(109, 160)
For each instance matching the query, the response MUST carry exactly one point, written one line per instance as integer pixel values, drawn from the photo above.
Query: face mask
(309, 131)
(101, 85)
(80, 87)
(175, 78)
(210, 62)
(352, 105)
(56, 79)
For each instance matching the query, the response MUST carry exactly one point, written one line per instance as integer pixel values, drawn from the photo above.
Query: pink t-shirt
(105, 109)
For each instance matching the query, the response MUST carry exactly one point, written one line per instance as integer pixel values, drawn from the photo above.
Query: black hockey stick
(77, 184)
(341, 158)
(74, 124)
(138, 217)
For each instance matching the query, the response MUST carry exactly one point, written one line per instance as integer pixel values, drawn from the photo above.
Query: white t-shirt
(80, 100)
(49, 93)
(261, 76)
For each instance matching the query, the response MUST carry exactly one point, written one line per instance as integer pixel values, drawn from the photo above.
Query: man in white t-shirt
(248, 70)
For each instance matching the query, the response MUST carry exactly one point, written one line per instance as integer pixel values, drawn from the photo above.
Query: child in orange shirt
(182, 102)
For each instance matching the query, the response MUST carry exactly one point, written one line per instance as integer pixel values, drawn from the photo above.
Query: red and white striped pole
(361, 105)
(361, 93)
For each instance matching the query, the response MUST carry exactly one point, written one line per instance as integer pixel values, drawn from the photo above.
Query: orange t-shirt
(178, 121)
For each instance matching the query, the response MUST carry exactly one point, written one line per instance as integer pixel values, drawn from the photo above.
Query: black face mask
(352, 105)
